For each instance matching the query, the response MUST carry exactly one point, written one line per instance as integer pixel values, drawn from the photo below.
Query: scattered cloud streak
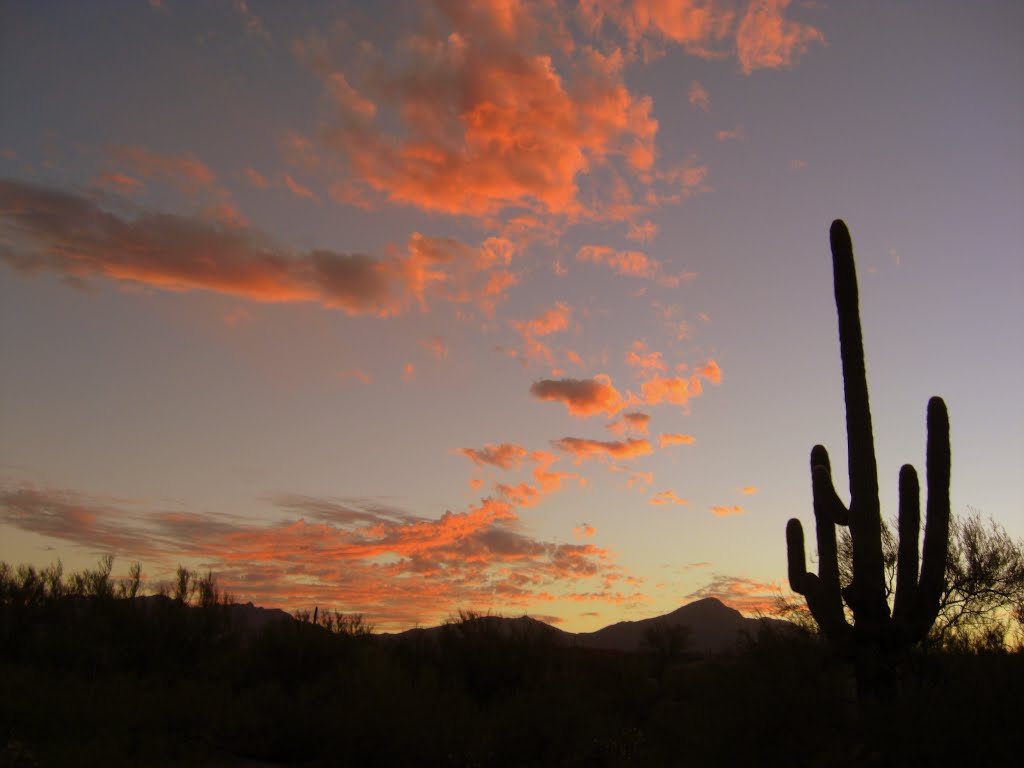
(395, 567)
(44, 229)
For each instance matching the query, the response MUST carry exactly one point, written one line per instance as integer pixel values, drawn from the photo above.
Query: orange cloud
(746, 595)
(119, 182)
(749, 490)
(668, 439)
(711, 29)
(698, 97)
(48, 229)
(632, 263)
(634, 421)
(437, 346)
(584, 531)
(521, 495)
(583, 397)
(503, 455)
(582, 448)
(550, 321)
(298, 190)
(710, 371)
(396, 568)
(256, 179)
(183, 171)
(668, 497)
(639, 357)
(645, 231)
(726, 511)
(765, 39)
(489, 117)
(735, 134)
(355, 373)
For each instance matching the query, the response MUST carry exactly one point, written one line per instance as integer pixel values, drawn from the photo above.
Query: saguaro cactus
(875, 632)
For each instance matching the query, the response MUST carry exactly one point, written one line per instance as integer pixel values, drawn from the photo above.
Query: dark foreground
(121, 682)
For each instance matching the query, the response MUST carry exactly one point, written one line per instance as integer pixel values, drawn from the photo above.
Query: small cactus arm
(918, 594)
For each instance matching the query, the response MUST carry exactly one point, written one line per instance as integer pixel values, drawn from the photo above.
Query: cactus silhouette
(876, 638)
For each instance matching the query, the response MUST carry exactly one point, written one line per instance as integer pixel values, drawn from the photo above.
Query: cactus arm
(909, 531)
(800, 581)
(866, 595)
(936, 530)
(837, 511)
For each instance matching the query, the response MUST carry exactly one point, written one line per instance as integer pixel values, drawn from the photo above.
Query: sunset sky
(406, 307)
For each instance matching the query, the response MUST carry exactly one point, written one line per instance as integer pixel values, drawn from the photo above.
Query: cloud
(395, 567)
(437, 346)
(553, 320)
(119, 182)
(583, 397)
(765, 39)
(749, 490)
(631, 263)
(503, 455)
(582, 448)
(668, 439)
(734, 134)
(667, 497)
(355, 373)
(639, 357)
(678, 390)
(484, 107)
(760, 37)
(645, 231)
(185, 172)
(727, 511)
(255, 178)
(550, 321)
(698, 97)
(746, 595)
(710, 371)
(47, 229)
(633, 421)
(298, 190)
(584, 531)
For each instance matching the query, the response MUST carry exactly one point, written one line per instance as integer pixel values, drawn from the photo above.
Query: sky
(401, 308)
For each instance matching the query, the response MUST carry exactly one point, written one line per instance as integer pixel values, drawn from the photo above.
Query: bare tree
(983, 595)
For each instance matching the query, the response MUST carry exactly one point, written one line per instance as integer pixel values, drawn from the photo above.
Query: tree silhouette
(878, 638)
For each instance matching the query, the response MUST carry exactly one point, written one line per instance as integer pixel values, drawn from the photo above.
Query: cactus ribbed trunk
(876, 639)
